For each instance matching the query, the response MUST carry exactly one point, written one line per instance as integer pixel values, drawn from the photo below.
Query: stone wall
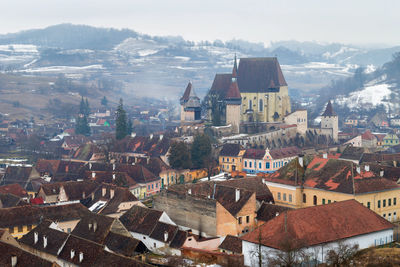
(198, 214)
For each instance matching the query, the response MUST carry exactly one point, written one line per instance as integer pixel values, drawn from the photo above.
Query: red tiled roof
(368, 135)
(14, 189)
(233, 91)
(319, 224)
(253, 153)
(285, 152)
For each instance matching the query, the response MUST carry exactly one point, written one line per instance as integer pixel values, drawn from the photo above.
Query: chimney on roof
(161, 137)
(148, 160)
(381, 173)
(133, 134)
(189, 191)
(90, 226)
(92, 196)
(44, 241)
(113, 176)
(237, 194)
(90, 165)
(112, 193)
(14, 260)
(35, 237)
(72, 254)
(94, 226)
(277, 214)
(325, 155)
(93, 175)
(66, 168)
(103, 191)
(366, 167)
(151, 136)
(301, 160)
(83, 195)
(80, 256)
(358, 169)
(165, 236)
(113, 166)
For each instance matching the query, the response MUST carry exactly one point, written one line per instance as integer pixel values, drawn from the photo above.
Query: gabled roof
(75, 190)
(138, 172)
(268, 211)
(232, 243)
(32, 215)
(55, 238)
(112, 204)
(16, 174)
(367, 135)
(285, 152)
(252, 184)
(162, 230)
(319, 224)
(24, 258)
(329, 110)
(230, 150)
(94, 227)
(121, 244)
(15, 189)
(331, 175)
(223, 194)
(352, 153)
(10, 200)
(259, 74)
(253, 153)
(140, 219)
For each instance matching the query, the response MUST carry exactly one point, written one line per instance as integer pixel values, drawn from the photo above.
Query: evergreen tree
(82, 125)
(129, 129)
(201, 150)
(121, 122)
(179, 157)
(104, 101)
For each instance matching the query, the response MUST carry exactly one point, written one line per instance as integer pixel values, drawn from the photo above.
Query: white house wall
(364, 241)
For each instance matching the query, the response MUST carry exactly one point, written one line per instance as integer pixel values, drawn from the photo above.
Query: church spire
(329, 112)
(234, 71)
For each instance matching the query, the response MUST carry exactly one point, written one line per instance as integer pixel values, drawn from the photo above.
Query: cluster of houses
(284, 187)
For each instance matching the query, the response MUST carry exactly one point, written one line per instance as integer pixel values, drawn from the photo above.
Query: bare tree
(342, 254)
(292, 253)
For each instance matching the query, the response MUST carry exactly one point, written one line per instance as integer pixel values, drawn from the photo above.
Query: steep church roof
(256, 74)
(329, 110)
(221, 84)
(187, 92)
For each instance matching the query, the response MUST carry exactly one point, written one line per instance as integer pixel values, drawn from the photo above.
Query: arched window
(304, 198)
(315, 200)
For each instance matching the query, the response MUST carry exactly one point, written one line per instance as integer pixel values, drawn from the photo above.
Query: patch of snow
(369, 69)
(146, 52)
(63, 68)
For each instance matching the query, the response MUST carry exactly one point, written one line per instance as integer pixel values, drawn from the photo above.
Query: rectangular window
(68, 230)
(369, 205)
(279, 195)
(20, 228)
(329, 201)
(284, 196)
(290, 197)
(267, 165)
(247, 219)
(389, 202)
(155, 245)
(245, 164)
(240, 220)
(394, 201)
(261, 106)
(384, 203)
(250, 164)
(259, 165)
(379, 204)
(227, 159)
(323, 201)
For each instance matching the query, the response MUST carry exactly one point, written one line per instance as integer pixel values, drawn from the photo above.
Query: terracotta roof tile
(232, 243)
(319, 224)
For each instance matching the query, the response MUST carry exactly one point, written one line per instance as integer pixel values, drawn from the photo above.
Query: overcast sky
(347, 21)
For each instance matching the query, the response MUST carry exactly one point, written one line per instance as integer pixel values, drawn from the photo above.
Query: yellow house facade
(319, 187)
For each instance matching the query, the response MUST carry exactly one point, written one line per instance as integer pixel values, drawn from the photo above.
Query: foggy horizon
(366, 23)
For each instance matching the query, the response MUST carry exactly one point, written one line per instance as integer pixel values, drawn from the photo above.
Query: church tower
(190, 105)
(329, 120)
(233, 102)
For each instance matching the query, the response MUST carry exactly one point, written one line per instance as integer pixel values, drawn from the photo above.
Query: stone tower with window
(329, 121)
